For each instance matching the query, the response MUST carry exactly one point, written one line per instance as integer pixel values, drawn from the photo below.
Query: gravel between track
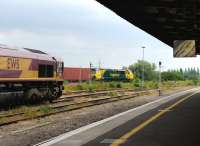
(34, 131)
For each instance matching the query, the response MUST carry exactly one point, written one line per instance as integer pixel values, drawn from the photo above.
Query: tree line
(150, 72)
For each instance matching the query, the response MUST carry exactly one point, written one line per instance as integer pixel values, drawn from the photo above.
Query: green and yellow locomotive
(113, 75)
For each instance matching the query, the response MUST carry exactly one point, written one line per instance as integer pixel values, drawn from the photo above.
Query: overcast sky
(80, 31)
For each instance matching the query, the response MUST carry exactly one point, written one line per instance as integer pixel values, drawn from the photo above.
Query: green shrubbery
(151, 85)
(119, 85)
(45, 109)
(94, 86)
(136, 83)
(131, 85)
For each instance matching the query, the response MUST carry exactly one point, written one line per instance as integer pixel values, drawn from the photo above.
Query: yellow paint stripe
(131, 133)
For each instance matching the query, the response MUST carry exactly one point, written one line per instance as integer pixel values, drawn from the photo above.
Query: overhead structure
(167, 20)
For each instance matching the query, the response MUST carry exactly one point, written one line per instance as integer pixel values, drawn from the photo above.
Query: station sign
(184, 48)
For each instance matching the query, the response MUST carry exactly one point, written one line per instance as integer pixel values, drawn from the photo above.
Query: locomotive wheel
(60, 93)
(55, 92)
(32, 95)
(34, 98)
(49, 96)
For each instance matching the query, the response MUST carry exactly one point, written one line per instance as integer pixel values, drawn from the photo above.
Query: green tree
(150, 72)
(172, 76)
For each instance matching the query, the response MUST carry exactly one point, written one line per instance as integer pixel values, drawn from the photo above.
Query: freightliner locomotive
(113, 75)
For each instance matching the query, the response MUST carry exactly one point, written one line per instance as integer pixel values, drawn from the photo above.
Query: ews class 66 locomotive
(29, 73)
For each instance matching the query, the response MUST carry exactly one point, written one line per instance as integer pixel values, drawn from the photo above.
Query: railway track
(94, 91)
(87, 94)
(76, 94)
(69, 105)
(86, 91)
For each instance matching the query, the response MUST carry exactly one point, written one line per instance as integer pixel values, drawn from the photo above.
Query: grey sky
(80, 31)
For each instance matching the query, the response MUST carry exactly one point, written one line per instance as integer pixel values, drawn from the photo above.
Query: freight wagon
(73, 74)
(30, 74)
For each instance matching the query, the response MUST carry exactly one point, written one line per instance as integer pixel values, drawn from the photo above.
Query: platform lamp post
(143, 47)
(160, 78)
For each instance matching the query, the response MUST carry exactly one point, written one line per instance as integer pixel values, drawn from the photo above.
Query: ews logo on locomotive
(13, 63)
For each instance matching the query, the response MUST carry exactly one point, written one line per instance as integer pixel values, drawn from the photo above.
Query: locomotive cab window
(45, 71)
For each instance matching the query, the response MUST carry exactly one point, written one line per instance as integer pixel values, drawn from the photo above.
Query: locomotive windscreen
(45, 71)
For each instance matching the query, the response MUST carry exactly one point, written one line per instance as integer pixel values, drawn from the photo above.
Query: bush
(195, 82)
(119, 85)
(79, 87)
(90, 89)
(45, 109)
(188, 82)
(112, 85)
(151, 85)
(136, 83)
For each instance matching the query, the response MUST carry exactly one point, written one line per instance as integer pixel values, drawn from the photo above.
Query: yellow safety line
(131, 133)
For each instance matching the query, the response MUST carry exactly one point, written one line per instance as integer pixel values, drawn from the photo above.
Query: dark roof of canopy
(166, 20)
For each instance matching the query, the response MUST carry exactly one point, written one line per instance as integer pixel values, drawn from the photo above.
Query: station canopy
(167, 20)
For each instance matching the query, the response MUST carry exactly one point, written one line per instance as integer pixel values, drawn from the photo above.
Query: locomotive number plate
(13, 63)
